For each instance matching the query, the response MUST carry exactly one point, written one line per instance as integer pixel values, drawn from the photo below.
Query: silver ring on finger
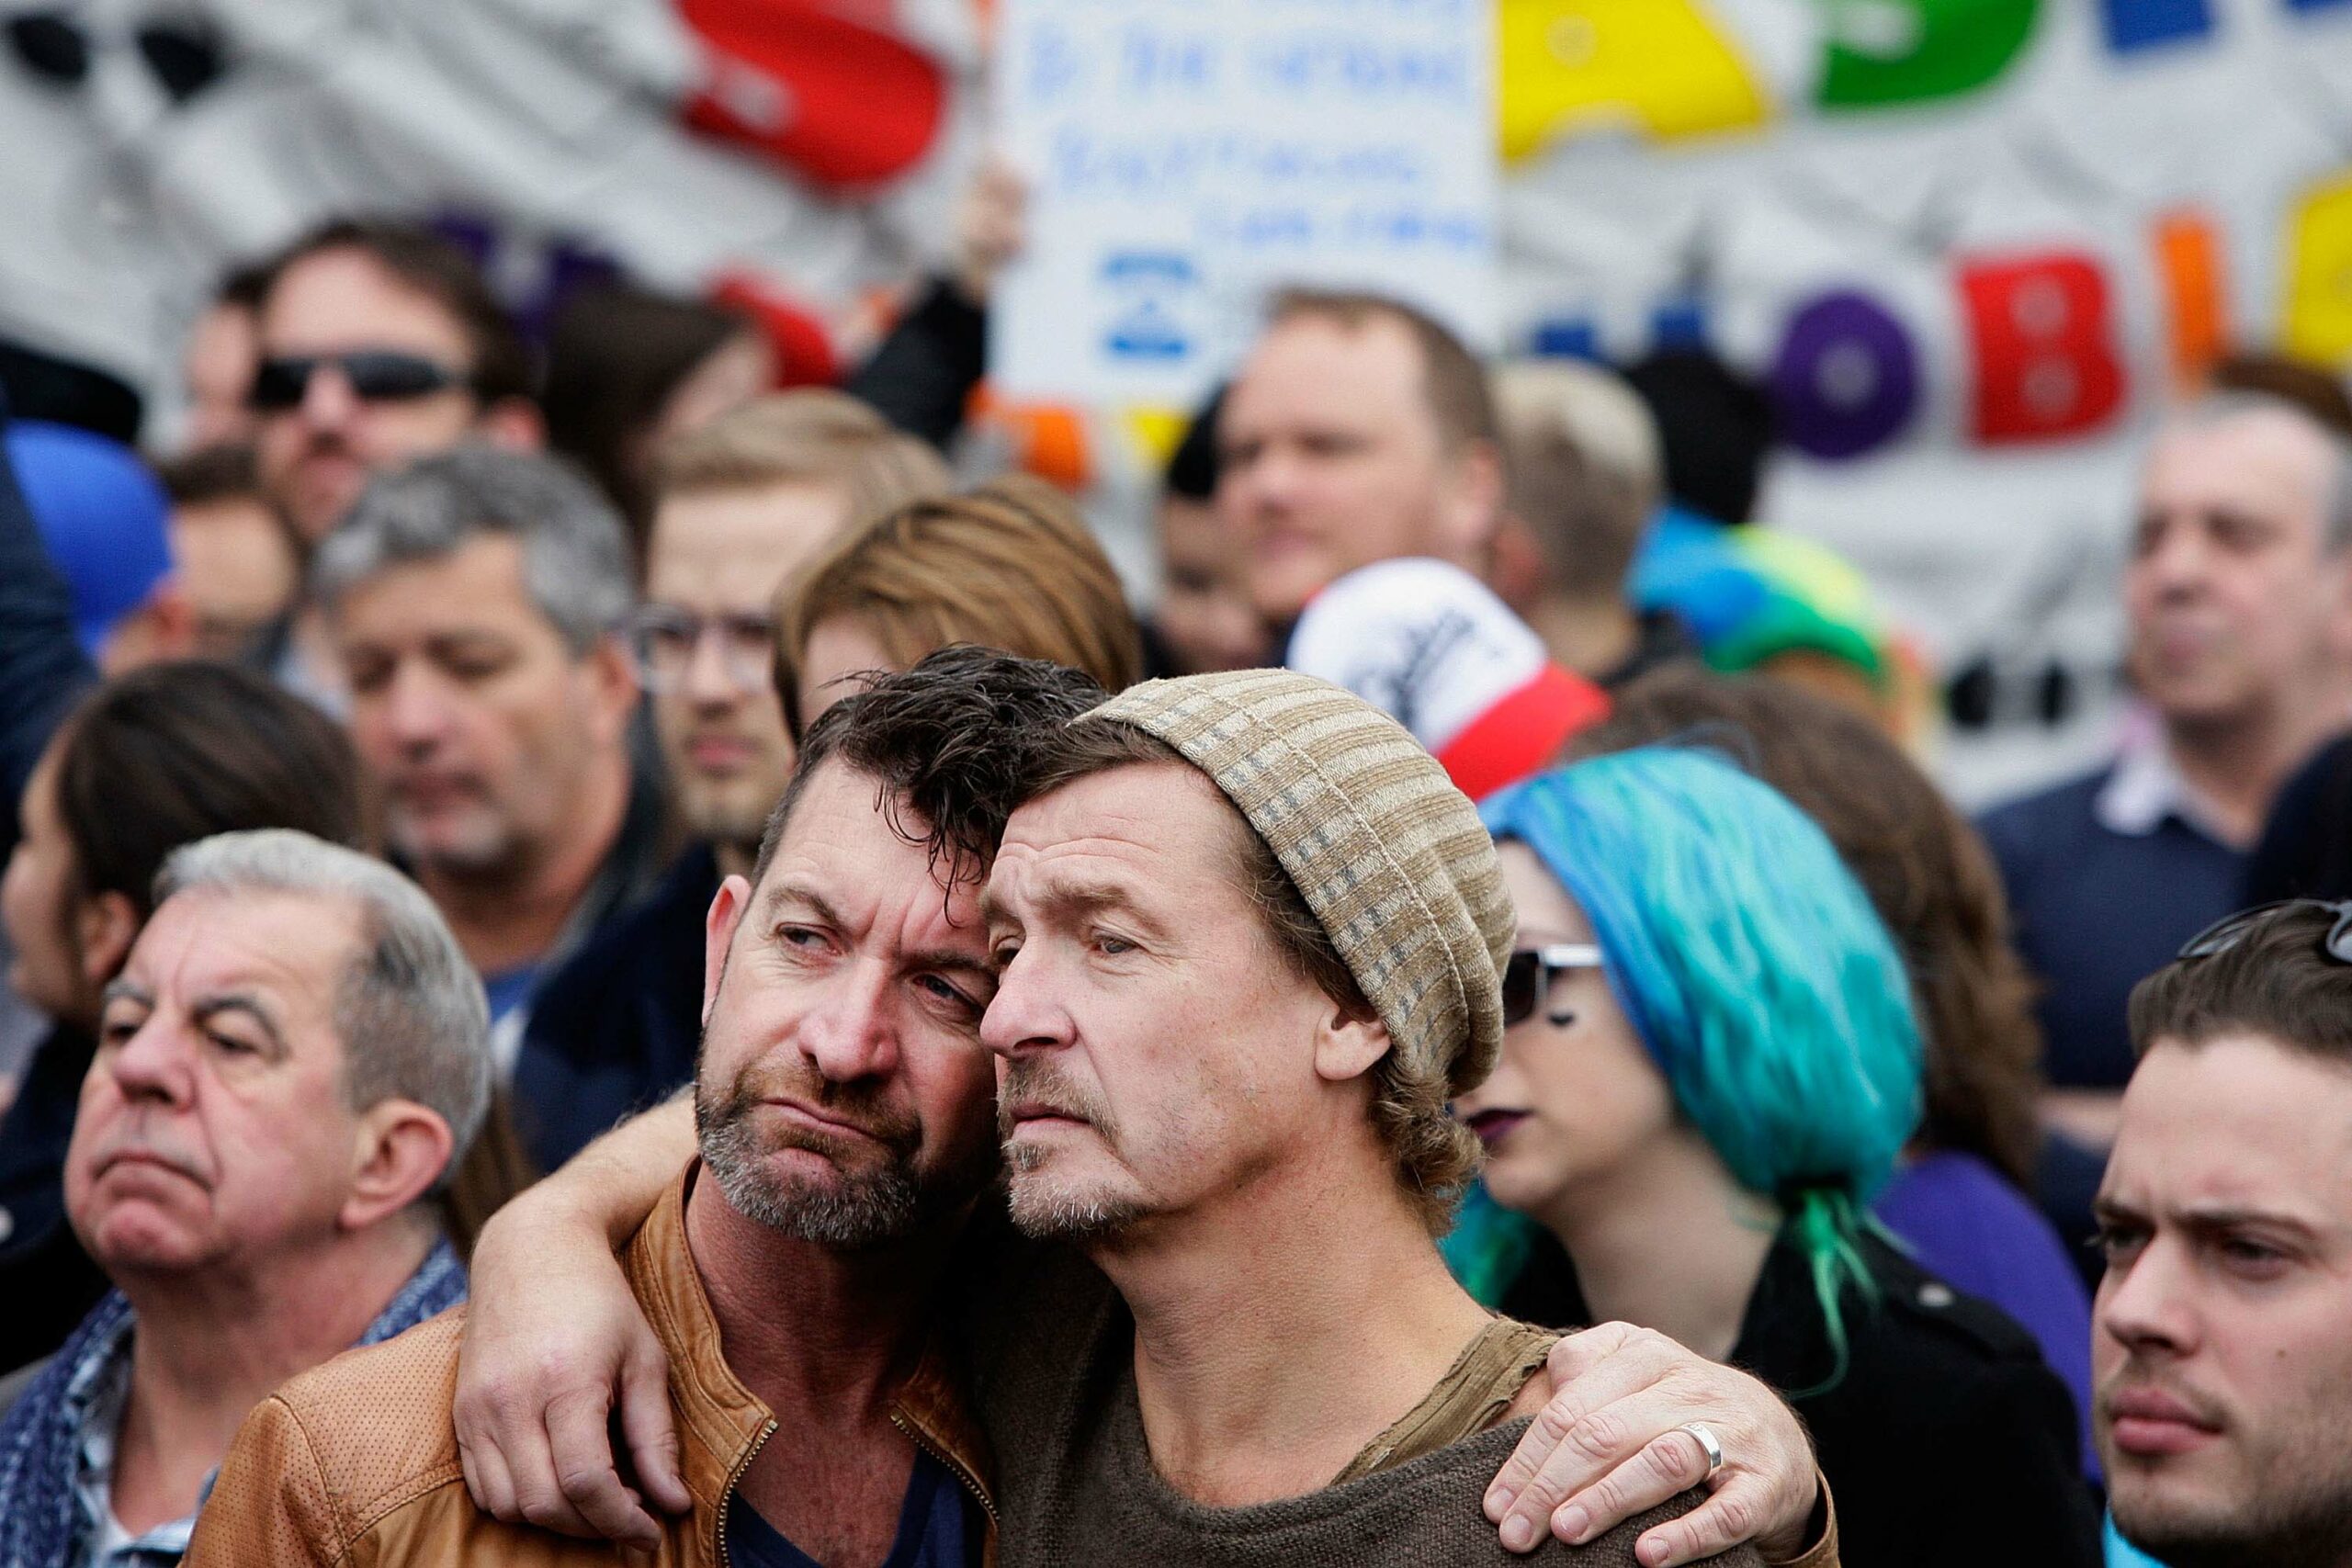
(1709, 1444)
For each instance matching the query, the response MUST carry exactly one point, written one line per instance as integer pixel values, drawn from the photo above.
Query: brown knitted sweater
(1076, 1482)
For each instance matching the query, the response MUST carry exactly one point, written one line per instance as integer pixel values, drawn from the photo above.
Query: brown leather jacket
(355, 1462)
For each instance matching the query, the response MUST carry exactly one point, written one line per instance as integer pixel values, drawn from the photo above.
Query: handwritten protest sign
(1185, 156)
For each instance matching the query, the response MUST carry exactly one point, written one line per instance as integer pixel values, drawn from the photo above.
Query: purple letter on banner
(1846, 378)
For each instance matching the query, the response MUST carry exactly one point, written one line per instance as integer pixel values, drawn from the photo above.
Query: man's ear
(515, 424)
(2340, 612)
(727, 906)
(1515, 566)
(401, 1150)
(611, 672)
(104, 928)
(162, 628)
(1348, 1044)
(1474, 505)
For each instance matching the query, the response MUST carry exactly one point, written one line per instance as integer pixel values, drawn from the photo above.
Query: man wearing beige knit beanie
(1248, 936)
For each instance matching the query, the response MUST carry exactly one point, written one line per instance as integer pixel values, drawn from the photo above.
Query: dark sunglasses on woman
(1528, 974)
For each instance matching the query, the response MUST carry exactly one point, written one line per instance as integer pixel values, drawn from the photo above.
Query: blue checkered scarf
(42, 1521)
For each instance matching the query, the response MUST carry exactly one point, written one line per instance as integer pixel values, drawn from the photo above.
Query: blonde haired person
(1009, 566)
(812, 437)
(1583, 478)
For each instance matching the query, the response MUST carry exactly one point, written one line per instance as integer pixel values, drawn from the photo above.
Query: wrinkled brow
(123, 989)
(786, 893)
(1072, 900)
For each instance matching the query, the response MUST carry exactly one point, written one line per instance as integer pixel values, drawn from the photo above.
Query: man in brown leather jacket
(812, 1279)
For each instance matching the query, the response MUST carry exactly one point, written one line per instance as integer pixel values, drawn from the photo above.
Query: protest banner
(1183, 159)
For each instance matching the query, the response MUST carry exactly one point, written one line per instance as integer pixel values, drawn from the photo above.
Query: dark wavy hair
(952, 742)
(1931, 877)
(2276, 979)
(177, 752)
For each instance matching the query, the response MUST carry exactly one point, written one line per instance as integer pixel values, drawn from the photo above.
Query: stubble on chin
(2301, 1523)
(1046, 1208)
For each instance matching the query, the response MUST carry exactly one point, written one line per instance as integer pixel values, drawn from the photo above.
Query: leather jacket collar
(722, 1424)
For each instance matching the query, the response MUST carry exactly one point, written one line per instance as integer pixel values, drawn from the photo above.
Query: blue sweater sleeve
(42, 668)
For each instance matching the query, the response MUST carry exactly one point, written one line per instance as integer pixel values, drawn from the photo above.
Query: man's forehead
(2235, 1121)
(2270, 456)
(1148, 817)
(308, 307)
(205, 940)
(477, 587)
(841, 850)
(749, 530)
(1297, 356)
(908, 905)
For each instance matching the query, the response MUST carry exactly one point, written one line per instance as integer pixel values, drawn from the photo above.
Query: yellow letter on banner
(1572, 64)
(2317, 321)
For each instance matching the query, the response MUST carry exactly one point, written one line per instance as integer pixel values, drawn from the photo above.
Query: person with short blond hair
(739, 504)
(1584, 475)
(1009, 566)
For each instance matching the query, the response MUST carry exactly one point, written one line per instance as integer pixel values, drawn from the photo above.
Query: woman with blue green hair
(1711, 1066)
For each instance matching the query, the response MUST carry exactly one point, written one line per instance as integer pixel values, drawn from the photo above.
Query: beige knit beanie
(1390, 858)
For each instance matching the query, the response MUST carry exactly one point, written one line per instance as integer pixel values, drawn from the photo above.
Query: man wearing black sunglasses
(378, 343)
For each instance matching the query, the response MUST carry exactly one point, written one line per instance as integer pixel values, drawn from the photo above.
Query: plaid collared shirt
(95, 1398)
(57, 1445)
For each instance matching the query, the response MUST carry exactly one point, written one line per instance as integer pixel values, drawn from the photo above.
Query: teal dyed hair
(1757, 977)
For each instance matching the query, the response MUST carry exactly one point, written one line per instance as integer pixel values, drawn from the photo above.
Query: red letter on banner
(2045, 361)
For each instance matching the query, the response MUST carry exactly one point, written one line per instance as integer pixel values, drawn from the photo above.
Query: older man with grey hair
(477, 601)
(294, 1057)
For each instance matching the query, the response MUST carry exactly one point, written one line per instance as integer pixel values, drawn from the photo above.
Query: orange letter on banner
(2045, 363)
(2188, 253)
(2318, 321)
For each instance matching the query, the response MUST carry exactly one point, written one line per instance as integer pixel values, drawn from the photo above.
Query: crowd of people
(616, 956)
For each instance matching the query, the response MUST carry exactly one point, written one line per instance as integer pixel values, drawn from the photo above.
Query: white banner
(1183, 158)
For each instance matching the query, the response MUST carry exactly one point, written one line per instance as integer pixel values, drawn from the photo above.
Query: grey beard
(1059, 1216)
(870, 1209)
